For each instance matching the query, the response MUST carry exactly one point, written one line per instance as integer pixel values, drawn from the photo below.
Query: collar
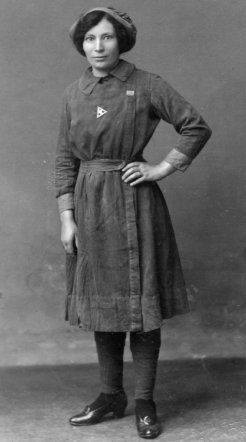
(88, 81)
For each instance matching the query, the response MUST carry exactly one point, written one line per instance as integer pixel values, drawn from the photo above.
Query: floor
(198, 400)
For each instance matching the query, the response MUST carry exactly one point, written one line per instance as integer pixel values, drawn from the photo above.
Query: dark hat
(121, 17)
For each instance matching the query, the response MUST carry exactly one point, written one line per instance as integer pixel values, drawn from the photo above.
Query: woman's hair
(92, 19)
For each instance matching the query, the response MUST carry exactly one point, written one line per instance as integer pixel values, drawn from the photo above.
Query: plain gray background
(199, 47)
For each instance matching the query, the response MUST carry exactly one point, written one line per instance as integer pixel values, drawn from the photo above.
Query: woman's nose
(99, 45)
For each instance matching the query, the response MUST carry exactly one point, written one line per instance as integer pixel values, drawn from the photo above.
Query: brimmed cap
(121, 17)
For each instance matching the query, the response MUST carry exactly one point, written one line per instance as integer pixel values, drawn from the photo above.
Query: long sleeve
(194, 132)
(66, 163)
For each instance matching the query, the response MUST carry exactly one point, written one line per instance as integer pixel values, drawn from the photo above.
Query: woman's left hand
(138, 172)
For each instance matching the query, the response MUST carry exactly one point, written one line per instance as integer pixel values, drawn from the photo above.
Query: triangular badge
(100, 111)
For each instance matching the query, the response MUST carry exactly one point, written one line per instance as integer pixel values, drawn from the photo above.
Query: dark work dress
(126, 275)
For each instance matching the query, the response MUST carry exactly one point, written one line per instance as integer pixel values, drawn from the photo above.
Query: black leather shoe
(148, 426)
(104, 404)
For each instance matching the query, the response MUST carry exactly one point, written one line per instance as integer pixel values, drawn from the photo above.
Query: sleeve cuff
(65, 202)
(178, 159)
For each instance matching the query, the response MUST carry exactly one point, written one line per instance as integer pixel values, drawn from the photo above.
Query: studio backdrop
(199, 47)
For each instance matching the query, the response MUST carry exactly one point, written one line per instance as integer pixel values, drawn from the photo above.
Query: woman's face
(101, 48)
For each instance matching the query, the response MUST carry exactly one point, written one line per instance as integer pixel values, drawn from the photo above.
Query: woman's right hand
(68, 232)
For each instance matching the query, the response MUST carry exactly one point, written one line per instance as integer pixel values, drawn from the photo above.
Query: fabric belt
(102, 165)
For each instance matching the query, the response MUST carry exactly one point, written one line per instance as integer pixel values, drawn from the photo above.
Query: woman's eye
(105, 37)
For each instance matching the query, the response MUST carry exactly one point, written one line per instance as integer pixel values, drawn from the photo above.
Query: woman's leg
(110, 350)
(112, 399)
(145, 352)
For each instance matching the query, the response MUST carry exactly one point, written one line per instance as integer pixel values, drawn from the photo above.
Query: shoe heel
(118, 414)
(119, 410)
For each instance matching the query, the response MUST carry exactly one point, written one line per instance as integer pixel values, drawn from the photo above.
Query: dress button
(102, 79)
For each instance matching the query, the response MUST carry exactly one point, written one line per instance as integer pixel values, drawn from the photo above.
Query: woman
(123, 267)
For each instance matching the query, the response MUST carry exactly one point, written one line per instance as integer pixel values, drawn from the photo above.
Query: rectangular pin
(130, 93)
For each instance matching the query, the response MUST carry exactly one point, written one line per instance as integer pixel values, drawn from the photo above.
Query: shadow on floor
(197, 400)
